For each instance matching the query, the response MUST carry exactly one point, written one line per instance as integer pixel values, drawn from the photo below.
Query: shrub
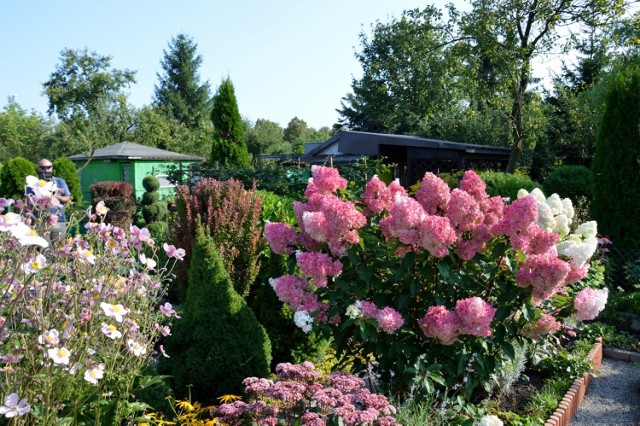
(616, 181)
(218, 342)
(154, 211)
(151, 183)
(13, 177)
(232, 216)
(435, 289)
(64, 168)
(507, 184)
(568, 181)
(118, 197)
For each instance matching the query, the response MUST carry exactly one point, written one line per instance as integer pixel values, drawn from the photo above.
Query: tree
(616, 181)
(218, 342)
(229, 147)
(88, 97)
(13, 177)
(267, 138)
(23, 134)
(296, 129)
(64, 168)
(407, 75)
(179, 92)
(514, 33)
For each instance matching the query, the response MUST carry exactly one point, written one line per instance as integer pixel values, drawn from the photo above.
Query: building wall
(98, 171)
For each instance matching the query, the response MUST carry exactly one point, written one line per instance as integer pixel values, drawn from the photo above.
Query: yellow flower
(185, 405)
(225, 399)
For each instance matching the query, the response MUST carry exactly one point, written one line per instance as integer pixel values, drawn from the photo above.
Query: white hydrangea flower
(303, 320)
(352, 312)
(538, 195)
(546, 220)
(561, 224)
(568, 208)
(588, 230)
(555, 203)
(489, 421)
(522, 193)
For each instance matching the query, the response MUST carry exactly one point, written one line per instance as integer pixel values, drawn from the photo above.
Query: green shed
(130, 162)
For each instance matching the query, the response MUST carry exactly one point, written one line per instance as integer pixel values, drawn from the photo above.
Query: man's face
(45, 170)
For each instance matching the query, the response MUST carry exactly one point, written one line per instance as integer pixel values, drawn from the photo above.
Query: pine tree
(229, 147)
(616, 163)
(218, 342)
(179, 92)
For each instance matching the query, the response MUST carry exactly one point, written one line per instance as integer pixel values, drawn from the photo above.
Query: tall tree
(179, 91)
(408, 74)
(267, 137)
(229, 147)
(516, 32)
(88, 97)
(24, 134)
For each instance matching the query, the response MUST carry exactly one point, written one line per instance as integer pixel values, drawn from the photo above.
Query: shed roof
(134, 151)
(365, 143)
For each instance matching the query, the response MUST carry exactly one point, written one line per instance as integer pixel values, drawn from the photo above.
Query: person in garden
(62, 197)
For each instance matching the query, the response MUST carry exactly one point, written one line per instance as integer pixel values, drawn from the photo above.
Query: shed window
(164, 181)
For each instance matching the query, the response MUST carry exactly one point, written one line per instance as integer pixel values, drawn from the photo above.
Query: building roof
(134, 151)
(349, 142)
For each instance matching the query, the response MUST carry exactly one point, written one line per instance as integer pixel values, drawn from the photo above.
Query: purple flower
(172, 251)
(13, 408)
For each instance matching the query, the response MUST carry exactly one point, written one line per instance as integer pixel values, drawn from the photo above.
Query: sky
(286, 58)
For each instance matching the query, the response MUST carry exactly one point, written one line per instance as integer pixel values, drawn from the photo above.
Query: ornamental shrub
(437, 288)
(569, 181)
(507, 184)
(13, 177)
(154, 211)
(616, 181)
(232, 216)
(64, 168)
(218, 342)
(118, 197)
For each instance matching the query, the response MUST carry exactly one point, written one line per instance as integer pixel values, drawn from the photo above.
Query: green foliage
(155, 212)
(24, 134)
(149, 198)
(568, 181)
(13, 177)
(218, 342)
(151, 183)
(228, 147)
(507, 184)
(66, 169)
(179, 93)
(616, 181)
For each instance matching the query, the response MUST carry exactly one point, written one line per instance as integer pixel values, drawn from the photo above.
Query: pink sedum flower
(475, 316)
(589, 302)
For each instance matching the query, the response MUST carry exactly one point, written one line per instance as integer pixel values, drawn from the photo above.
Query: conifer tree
(218, 342)
(229, 147)
(616, 163)
(179, 92)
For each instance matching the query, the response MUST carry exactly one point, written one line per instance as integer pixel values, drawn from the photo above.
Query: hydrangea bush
(79, 318)
(437, 287)
(302, 396)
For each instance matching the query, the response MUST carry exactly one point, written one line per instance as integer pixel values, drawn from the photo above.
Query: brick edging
(573, 398)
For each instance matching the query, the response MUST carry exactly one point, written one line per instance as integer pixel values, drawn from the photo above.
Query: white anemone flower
(49, 338)
(136, 348)
(111, 331)
(101, 209)
(27, 236)
(94, 374)
(59, 355)
(115, 311)
(34, 265)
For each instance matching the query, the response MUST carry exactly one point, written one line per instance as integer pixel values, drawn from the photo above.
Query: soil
(519, 395)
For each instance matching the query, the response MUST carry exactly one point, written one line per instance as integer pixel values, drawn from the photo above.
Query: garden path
(612, 398)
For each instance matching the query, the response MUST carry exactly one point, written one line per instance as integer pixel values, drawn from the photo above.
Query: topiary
(218, 342)
(569, 181)
(65, 169)
(13, 177)
(154, 211)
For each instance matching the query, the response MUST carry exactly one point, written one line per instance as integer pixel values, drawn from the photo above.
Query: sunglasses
(46, 167)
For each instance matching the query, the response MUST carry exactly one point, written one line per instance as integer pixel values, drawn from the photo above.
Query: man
(45, 172)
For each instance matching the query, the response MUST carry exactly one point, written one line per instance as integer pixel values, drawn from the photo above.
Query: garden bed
(573, 398)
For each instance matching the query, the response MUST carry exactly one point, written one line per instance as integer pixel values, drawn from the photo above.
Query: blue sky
(285, 58)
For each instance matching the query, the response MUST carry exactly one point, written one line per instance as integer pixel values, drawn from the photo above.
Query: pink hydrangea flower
(434, 194)
(405, 213)
(389, 320)
(493, 210)
(377, 196)
(280, 237)
(315, 224)
(546, 273)
(327, 179)
(318, 266)
(517, 217)
(467, 248)
(435, 234)
(546, 324)
(589, 302)
(475, 316)
(464, 211)
(290, 289)
(367, 309)
(473, 185)
(441, 323)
